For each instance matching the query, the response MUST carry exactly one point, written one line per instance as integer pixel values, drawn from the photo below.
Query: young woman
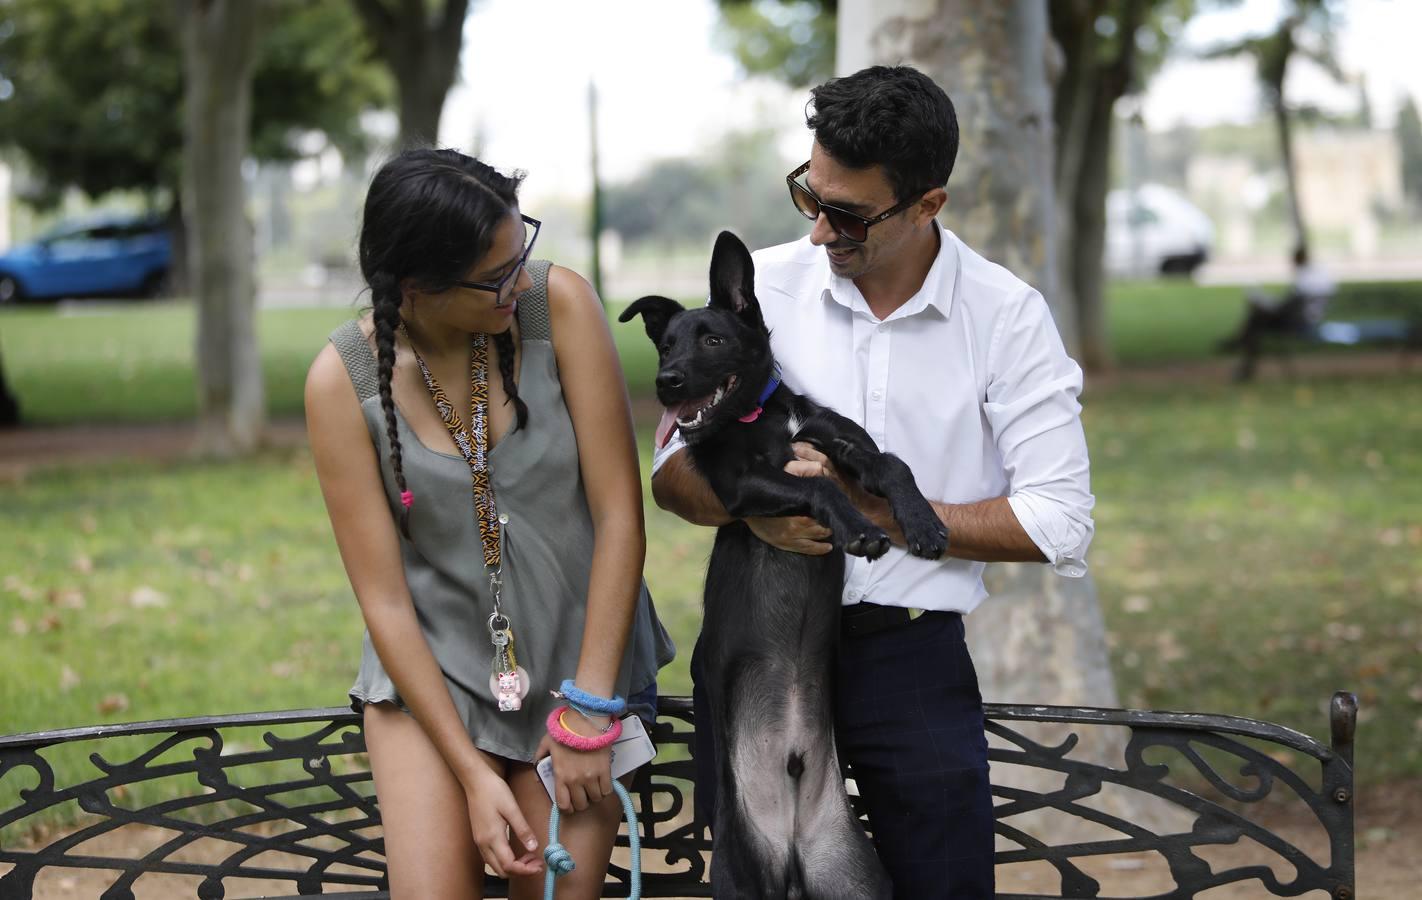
(473, 439)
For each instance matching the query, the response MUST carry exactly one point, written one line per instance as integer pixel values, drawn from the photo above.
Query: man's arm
(678, 488)
(985, 531)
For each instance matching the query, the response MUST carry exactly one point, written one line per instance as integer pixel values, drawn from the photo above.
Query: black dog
(784, 826)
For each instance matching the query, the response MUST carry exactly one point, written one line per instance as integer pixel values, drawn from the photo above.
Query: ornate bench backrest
(282, 803)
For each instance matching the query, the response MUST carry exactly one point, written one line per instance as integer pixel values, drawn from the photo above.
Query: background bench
(1361, 314)
(280, 804)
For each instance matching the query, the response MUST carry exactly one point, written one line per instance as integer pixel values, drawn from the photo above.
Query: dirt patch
(31, 449)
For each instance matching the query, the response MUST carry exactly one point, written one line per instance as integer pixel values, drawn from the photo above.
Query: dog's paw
(869, 544)
(925, 535)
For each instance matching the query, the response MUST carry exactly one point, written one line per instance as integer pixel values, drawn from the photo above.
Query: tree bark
(1291, 179)
(1085, 252)
(421, 47)
(595, 201)
(9, 405)
(1041, 638)
(219, 40)
(1084, 106)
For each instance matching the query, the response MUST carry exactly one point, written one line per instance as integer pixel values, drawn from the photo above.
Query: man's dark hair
(892, 116)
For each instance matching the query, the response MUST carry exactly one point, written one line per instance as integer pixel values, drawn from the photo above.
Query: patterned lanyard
(509, 682)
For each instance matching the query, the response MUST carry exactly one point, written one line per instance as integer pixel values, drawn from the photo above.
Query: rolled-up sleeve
(1032, 408)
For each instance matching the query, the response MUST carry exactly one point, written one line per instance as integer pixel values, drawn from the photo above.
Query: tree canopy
(688, 200)
(92, 89)
(792, 40)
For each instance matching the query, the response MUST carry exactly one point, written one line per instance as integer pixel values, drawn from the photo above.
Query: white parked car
(1155, 230)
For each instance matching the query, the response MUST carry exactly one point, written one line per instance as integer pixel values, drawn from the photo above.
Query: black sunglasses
(848, 225)
(497, 287)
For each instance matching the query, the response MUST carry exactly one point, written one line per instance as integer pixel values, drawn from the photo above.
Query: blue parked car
(112, 256)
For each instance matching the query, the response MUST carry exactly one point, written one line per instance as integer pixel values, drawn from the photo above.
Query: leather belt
(861, 619)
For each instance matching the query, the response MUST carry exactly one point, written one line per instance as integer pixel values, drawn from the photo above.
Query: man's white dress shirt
(967, 382)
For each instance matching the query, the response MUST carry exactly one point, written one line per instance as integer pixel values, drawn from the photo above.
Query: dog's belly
(764, 602)
(784, 827)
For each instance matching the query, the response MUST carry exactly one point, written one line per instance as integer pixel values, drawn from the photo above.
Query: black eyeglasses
(848, 225)
(497, 287)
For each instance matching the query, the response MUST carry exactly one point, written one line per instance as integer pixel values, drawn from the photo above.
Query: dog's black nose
(670, 379)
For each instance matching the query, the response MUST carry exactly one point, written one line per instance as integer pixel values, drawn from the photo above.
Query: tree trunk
(422, 93)
(1084, 104)
(1084, 252)
(179, 269)
(219, 50)
(595, 212)
(1041, 638)
(1291, 181)
(1076, 79)
(420, 45)
(9, 405)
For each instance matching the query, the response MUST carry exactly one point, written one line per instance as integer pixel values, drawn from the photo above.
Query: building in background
(1348, 182)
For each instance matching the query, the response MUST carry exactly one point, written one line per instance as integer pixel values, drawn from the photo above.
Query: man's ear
(733, 279)
(931, 204)
(656, 312)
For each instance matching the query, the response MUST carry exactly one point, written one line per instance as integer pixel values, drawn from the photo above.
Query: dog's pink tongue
(665, 427)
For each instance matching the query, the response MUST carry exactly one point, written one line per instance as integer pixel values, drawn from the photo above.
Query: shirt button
(853, 595)
(877, 395)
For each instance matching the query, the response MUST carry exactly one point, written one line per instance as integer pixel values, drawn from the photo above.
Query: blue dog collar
(770, 387)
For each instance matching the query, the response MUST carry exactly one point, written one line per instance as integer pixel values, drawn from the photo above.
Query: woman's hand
(580, 777)
(508, 845)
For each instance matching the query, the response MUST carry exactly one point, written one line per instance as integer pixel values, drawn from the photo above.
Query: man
(1299, 311)
(953, 364)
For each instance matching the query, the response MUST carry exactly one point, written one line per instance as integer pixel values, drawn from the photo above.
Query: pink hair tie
(407, 499)
(576, 741)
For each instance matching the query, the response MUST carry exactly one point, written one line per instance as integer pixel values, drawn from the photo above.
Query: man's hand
(811, 463)
(802, 534)
(798, 534)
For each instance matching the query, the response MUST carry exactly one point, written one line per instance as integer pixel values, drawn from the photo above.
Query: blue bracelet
(584, 702)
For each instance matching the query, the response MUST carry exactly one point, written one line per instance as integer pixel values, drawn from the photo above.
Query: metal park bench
(1377, 315)
(281, 804)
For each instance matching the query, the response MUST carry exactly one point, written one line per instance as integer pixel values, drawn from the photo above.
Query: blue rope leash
(560, 861)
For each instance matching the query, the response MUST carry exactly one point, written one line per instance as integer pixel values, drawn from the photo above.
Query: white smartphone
(629, 751)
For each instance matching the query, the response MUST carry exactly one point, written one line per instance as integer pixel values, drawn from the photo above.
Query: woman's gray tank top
(547, 548)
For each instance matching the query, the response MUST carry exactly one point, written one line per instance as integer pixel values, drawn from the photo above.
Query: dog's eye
(713, 340)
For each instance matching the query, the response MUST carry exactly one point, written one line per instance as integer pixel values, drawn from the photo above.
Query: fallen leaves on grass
(144, 597)
(68, 679)
(113, 703)
(19, 627)
(21, 588)
(66, 598)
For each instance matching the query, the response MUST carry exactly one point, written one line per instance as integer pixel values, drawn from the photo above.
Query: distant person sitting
(1297, 312)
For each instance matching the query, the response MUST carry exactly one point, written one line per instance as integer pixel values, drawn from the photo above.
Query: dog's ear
(656, 312)
(733, 279)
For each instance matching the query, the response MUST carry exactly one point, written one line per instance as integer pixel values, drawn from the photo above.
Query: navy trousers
(909, 724)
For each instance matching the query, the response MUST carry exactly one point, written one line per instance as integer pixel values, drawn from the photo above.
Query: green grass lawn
(1256, 548)
(133, 362)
